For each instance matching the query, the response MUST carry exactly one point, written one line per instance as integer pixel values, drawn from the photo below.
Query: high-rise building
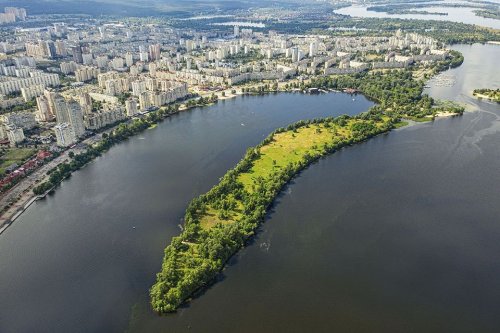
(61, 48)
(190, 45)
(86, 103)
(75, 116)
(68, 67)
(102, 61)
(15, 135)
(152, 69)
(65, 135)
(144, 56)
(43, 113)
(50, 96)
(129, 59)
(24, 120)
(154, 52)
(131, 107)
(77, 54)
(60, 109)
(19, 13)
(313, 49)
(87, 58)
(117, 63)
(50, 49)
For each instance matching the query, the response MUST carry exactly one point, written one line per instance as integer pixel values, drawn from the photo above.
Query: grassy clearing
(14, 155)
(401, 124)
(285, 148)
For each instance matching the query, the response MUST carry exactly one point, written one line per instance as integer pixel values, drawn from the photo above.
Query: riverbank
(17, 199)
(36, 185)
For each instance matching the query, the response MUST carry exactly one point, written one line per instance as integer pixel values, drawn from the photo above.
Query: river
(455, 14)
(74, 263)
(396, 234)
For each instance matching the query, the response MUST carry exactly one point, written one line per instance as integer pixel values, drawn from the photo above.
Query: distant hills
(135, 7)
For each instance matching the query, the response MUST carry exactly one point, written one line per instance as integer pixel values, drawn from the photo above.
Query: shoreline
(18, 213)
(220, 222)
(151, 118)
(12, 215)
(483, 97)
(27, 198)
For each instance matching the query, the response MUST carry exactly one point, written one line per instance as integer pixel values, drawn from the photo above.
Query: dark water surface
(398, 234)
(74, 263)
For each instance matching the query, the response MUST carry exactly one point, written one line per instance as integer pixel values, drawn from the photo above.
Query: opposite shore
(41, 180)
(17, 199)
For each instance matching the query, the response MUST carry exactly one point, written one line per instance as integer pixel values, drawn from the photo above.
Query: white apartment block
(65, 135)
(24, 120)
(86, 73)
(131, 107)
(16, 84)
(15, 135)
(43, 113)
(33, 91)
(68, 67)
(96, 120)
(75, 116)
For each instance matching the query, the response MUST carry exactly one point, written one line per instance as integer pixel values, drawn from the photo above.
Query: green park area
(219, 222)
(12, 156)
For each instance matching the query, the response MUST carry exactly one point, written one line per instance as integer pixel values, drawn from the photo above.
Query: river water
(74, 263)
(455, 14)
(400, 233)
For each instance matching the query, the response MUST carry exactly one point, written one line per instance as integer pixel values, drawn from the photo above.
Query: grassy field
(285, 148)
(14, 155)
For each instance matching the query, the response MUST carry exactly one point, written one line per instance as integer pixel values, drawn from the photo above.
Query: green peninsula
(218, 223)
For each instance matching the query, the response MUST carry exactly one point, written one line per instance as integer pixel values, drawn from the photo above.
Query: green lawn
(285, 148)
(14, 155)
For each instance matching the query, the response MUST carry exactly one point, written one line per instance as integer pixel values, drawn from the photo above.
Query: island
(490, 94)
(488, 13)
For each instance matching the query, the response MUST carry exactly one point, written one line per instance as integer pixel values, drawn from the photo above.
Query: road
(22, 193)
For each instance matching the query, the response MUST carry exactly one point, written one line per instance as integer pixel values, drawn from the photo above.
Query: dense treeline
(398, 94)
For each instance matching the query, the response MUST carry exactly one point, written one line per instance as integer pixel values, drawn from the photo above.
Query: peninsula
(219, 223)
